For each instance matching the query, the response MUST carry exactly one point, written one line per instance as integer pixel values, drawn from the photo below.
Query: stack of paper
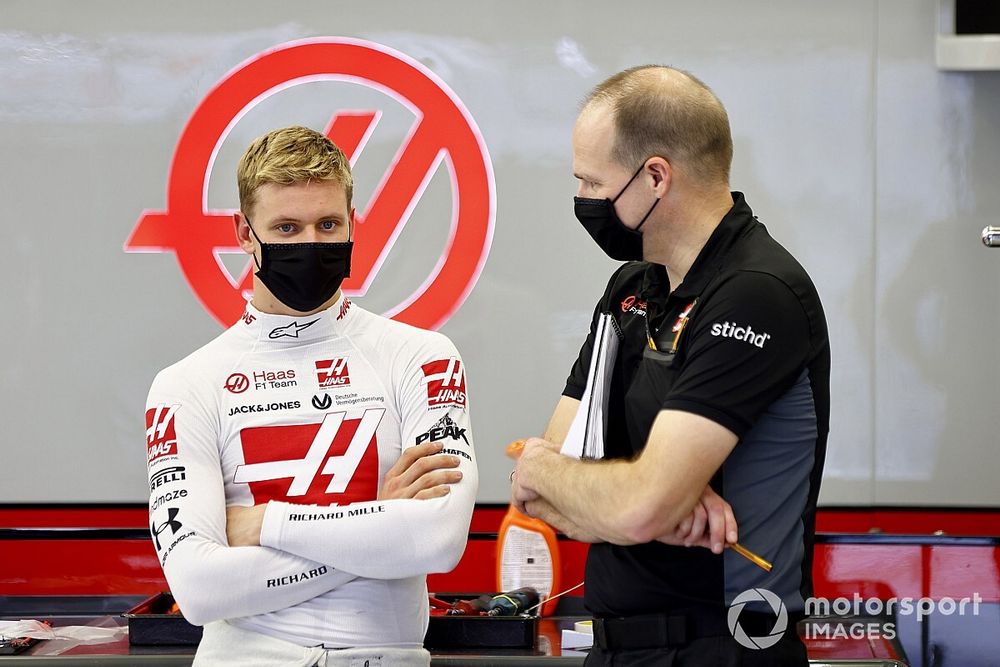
(586, 433)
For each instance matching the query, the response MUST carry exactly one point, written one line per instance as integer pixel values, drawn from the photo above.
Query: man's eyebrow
(584, 177)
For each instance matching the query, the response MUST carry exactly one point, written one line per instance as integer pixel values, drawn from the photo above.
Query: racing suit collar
(297, 329)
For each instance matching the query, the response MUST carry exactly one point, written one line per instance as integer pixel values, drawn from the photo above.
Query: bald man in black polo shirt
(720, 387)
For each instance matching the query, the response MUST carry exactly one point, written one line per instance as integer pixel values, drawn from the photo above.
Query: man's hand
(711, 524)
(421, 473)
(243, 525)
(521, 490)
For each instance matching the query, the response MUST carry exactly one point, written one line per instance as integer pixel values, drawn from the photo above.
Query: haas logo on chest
(334, 462)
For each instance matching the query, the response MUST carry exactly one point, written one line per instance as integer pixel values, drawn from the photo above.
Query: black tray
(444, 632)
(149, 624)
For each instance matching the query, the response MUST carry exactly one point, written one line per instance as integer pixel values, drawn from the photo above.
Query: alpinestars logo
(334, 462)
(332, 373)
(161, 439)
(445, 380)
(444, 428)
(746, 334)
(290, 331)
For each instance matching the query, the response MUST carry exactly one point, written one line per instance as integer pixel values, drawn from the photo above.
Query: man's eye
(328, 224)
(286, 227)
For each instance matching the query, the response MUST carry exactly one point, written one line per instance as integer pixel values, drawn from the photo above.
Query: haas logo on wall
(443, 134)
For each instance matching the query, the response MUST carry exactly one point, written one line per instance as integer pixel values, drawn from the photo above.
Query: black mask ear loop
(261, 243)
(622, 191)
(643, 221)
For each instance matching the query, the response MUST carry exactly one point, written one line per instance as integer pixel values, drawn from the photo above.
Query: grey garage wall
(873, 167)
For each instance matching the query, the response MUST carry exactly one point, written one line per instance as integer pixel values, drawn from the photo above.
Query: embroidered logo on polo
(678, 328)
(333, 462)
(682, 319)
(634, 305)
(745, 334)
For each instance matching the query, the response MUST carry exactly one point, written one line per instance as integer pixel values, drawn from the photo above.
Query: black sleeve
(748, 345)
(576, 383)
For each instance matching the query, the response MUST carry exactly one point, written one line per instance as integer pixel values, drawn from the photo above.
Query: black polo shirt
(743, 342)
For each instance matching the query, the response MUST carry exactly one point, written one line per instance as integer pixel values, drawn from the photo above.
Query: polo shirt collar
(710, 259)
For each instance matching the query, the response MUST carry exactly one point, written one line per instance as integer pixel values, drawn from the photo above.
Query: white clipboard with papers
(585, 438)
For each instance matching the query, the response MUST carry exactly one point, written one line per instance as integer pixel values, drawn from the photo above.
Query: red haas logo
(161, 440)
(237, 383)
(333, 462)
(631, 304)
(344, 307)
(445, 382)
(333, 373)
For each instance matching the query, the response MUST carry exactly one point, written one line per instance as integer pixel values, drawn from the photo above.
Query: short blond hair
(665, 111)
(291, 155)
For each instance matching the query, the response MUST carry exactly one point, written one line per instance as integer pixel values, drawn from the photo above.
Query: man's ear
(352, 223)
(662, 173)
(243, 234)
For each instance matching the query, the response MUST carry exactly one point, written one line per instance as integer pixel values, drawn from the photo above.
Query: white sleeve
(394, 539)
(209, 579)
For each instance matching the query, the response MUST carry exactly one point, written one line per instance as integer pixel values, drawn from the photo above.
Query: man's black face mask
(303, 276)
(598, 217)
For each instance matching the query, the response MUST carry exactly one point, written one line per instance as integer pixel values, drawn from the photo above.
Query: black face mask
(598, 217)
(303, 276)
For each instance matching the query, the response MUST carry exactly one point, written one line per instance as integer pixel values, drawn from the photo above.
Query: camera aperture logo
(777, 606)
(842, 618)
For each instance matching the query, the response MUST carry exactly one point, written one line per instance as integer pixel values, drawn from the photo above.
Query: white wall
(873, 167)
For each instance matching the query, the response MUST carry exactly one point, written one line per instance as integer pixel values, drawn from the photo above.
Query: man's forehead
(326, 198)
(593, 139)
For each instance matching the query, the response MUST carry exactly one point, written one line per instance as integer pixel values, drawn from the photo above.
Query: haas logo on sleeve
(445, 380)
(161, 440)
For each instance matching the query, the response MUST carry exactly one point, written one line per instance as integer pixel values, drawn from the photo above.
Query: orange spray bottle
(528, 552)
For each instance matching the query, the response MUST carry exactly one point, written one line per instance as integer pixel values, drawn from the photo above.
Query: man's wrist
(271, 525)
(533, 475)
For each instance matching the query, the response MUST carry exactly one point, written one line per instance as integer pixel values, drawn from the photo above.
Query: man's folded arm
(209, 579)
(393, 539)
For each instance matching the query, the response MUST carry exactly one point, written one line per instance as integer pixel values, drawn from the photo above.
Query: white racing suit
(307, 414)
